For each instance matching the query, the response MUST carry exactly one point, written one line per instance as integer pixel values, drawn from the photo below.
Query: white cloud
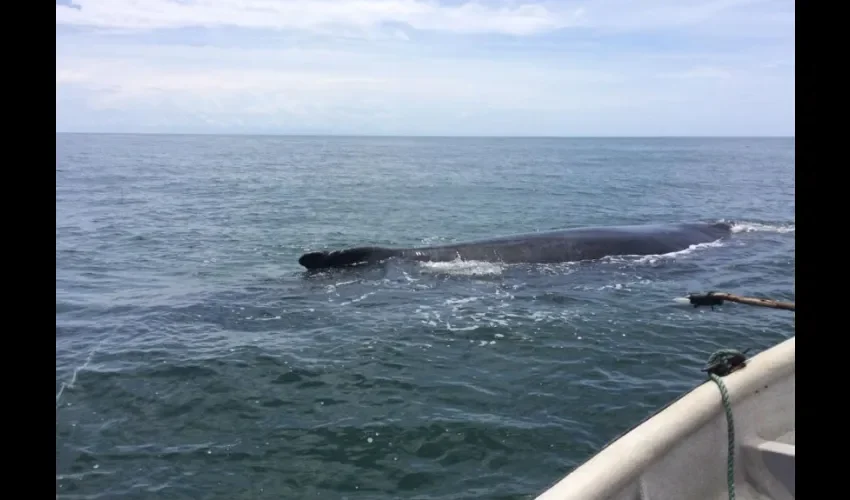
(469, 17)
(458, 78)
(701, 72)
(512, 17)
(337, 89)
(329, 79)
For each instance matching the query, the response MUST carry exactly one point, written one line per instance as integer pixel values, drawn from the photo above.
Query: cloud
(405, 66)
(510, 17)
(701, 72)
(292, 80)
(318, 15)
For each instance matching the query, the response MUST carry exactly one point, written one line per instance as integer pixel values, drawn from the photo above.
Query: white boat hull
(681, 452)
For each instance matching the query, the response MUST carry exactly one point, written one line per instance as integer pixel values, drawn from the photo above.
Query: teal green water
(195, 359)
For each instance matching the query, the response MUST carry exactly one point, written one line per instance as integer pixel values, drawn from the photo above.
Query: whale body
(565, 245)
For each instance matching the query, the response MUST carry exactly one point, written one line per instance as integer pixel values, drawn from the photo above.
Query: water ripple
(194, 358)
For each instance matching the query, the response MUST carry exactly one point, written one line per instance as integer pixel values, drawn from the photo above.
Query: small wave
(628, 286)
(751, 227)
(652, 259)
(357, 299)
(456, 329)
(460, 302)
(73, 379)
(464, 267)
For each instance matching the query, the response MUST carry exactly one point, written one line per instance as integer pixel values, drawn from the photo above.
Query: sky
(427, 67)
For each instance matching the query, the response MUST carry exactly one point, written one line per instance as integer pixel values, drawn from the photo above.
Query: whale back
(576, 244)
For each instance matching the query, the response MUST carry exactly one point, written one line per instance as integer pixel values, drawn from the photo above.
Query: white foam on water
(459, 302)
(654, 258)
(751, 227)
(460, 329)
(358, 299)
(273, 318)
(77, 370)
(460, 267)
(625, 286)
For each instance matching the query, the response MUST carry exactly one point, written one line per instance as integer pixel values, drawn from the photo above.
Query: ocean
(196, 359)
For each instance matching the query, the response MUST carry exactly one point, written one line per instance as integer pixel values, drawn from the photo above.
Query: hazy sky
(448, 67)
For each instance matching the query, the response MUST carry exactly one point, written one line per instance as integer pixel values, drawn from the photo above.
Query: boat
(689, 451)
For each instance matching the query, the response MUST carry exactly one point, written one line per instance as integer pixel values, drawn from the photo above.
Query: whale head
(313, 260)
(345, 258)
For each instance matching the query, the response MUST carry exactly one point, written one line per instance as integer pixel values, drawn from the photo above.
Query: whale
(549, 247)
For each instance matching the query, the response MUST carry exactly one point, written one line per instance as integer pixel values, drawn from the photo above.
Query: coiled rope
(722, 363)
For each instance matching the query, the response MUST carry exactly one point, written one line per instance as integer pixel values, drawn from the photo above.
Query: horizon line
(429, 136)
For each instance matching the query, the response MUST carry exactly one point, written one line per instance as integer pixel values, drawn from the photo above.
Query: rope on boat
(722, 363)
(712, 299)
(725, 361)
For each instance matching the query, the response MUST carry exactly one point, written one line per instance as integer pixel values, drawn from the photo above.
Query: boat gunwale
(626, 457)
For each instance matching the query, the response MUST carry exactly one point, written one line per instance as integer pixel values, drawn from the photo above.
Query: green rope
(720, 364)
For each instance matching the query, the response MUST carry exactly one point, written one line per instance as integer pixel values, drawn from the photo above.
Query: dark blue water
(194, 359)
